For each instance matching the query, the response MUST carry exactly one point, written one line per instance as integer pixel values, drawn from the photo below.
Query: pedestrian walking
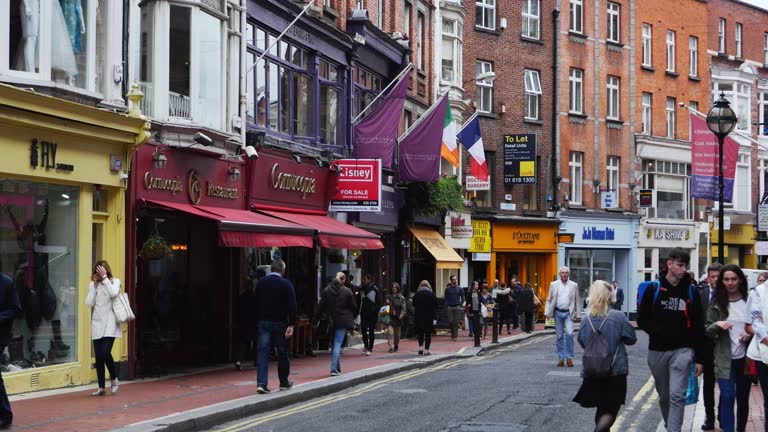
(606, 393)
(618, 296)
(756, 326)
(525, 307)
(425, 305)
(501, 298)
(514, 307)
(488, 302)
(563, 304)
(248, 326)
(370, 301)
(104, 326)
(707, 295)
(10, 308)
(670, 312)
(276, 300)
(467, 307)
(454, 297)
(337, 306)
(726, 319)
(397, 316)
(474, 306)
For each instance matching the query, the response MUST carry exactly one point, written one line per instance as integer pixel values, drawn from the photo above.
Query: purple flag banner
(705, 154)
(419, 153)
(376, 135)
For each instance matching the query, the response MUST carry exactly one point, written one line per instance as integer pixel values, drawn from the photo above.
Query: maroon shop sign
(187, 177)
(280, 183)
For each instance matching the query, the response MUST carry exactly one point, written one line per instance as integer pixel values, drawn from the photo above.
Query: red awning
(242, 228)
(332, 233)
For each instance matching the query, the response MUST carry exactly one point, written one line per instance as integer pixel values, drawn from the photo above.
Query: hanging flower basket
(154, 247)
(335, 256)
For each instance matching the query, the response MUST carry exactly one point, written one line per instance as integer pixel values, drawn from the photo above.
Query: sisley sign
(359, 187)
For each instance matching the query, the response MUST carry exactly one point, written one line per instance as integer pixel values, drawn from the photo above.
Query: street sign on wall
(762, 217)
(647, 198)
(519, 159)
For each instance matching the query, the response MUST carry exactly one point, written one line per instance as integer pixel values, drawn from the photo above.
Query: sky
(762, 3)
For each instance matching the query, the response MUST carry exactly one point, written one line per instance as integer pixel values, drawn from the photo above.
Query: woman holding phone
(104, 327)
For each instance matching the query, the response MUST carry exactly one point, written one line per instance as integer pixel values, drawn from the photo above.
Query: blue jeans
(272, 333)
(564, 345)
(734, 389)
(338, 338)
(102, 351)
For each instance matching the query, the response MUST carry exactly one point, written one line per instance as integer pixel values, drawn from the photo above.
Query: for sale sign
(359, 187)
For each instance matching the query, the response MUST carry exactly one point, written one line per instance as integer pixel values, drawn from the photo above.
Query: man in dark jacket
(10, 308)
(525, 307)
(337, 304)
(619, 293)
(276, 311)
(675, 327)
(707, 293)
(370, 301)
(514, 307)
(454, 297)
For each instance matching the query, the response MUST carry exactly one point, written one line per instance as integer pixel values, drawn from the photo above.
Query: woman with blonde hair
(104, 327)
(425, 304)
(607, 394)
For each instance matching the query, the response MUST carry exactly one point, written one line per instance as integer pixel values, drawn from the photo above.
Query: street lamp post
(721, 120)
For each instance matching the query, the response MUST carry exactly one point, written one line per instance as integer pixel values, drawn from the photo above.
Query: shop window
(39, 257)
(60, 41)
(100, 200)
(589, 265)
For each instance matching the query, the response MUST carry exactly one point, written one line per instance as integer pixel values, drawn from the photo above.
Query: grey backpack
(598, 359)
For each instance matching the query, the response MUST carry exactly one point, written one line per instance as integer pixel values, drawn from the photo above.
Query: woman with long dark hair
(104, 326)
(726, 322)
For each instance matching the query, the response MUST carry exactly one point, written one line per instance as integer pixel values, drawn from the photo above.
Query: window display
(38, 243)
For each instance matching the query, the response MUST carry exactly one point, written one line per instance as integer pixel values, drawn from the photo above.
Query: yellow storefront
(62, 206)
(739, 245)
(528, 250)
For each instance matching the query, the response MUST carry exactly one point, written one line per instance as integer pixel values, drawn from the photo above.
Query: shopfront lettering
(593, 233)
(43, 154)
(171, 185)
(523, 237)
(291, 182)
(221, 191)
(676, 234)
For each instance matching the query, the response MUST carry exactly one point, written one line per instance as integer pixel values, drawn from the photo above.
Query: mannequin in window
(62, 53)
(73, 17)
(30, 26)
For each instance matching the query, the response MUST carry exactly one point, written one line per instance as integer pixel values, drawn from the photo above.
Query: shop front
(61, 209)
(458, 233)
(432, 259)
(381, 262)
(656, 240)
(603, 248)
(187, 246)
(739, 245)
(526, 247)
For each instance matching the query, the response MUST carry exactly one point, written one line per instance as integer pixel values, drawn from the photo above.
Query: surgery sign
(359, 187)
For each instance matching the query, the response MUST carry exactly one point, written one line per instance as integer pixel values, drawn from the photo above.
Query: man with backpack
(670, 312)
(370, 301)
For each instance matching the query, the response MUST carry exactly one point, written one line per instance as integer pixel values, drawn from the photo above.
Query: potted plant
(154, 247)
(335, 256)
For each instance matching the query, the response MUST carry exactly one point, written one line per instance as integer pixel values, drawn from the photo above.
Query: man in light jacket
(563, 305)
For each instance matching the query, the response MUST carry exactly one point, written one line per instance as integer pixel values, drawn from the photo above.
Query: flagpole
(423, 116)
(274, 42)
(741, 134)
(472, 117)
(383, 92)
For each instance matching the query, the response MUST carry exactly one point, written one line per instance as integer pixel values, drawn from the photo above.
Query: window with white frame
(613, 98)
(532, 94)
(531, 19)
(739, 95)
(763, 112)
(576, 91)
(614, 22)
(647, 45)
(420, 41)
(721, 35)
(577, 16)
(407, 18)
(765, 49)
(451, 52)
(742, 184)
(671, 110)
(738, 39)
(613, 167)
(485, 14)
(647, 113)
(577, 177)
(693, 56)
(62, 42)
(670, 51)
(484, 87)
(672, 182)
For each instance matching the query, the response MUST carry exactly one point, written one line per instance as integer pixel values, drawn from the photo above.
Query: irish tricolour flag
(449, 150)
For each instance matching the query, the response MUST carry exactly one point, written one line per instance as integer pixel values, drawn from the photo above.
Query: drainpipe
(243, 72)
(555, 168)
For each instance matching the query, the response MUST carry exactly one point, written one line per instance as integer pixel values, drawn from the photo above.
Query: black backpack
(598, 359)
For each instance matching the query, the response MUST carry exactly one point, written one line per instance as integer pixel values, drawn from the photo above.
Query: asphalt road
(516, 388)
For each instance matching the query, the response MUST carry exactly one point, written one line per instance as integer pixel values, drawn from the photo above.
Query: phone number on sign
(520, 180)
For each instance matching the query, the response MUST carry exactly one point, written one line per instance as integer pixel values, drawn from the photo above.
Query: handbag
(755, 348)
(692, 392)
(483, 311)
(122, 308)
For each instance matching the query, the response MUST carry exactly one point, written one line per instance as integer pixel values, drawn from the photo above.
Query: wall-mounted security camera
(251, 152)
(123, 176)
(202, 139)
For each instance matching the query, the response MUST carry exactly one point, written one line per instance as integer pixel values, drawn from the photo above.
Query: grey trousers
(670, 370)
(454, 316)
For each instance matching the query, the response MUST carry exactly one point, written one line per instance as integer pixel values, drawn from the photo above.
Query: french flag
(469, 135)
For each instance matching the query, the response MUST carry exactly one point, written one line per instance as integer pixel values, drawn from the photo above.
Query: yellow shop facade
(62, 207)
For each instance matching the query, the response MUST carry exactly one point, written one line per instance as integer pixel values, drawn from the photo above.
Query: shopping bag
(692, 392)
(483, 311)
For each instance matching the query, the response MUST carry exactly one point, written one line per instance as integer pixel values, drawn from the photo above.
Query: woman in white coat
(104, 327)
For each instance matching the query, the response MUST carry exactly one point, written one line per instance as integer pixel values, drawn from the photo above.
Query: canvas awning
(332, 233)
(446, 257)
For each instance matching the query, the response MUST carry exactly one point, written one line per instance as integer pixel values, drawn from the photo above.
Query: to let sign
(519, 159)
(359, 187)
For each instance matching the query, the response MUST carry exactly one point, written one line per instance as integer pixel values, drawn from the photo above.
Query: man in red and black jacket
(675, 326)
